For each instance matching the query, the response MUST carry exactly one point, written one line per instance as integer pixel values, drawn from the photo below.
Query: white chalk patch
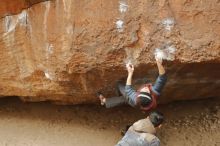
(159, 54)
(47, 8)
(22, 18)
(47, 75)
(50, 49)
(168, 23)
(119, 25)
(123, 7)
(10, 24)
(12, 21)
(166, 53)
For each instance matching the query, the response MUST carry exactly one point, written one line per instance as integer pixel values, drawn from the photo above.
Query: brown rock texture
(66, 50)
(9, 7)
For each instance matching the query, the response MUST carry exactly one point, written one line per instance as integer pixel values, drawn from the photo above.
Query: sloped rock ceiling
(66, 50)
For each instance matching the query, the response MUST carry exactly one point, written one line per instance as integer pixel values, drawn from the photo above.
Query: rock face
(9, 7)
(66, 50)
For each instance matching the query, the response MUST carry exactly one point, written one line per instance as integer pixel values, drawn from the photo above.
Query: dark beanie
(145, 99)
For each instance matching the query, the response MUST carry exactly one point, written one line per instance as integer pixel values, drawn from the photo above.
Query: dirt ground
(188, 123)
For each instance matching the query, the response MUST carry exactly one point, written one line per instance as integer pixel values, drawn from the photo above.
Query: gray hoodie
(141, 133)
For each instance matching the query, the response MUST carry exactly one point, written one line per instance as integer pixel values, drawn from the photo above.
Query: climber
(145, 98)
(142, 132)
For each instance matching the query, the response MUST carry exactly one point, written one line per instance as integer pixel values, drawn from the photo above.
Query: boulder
(65, 51)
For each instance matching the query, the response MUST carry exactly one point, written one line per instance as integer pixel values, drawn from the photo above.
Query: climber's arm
(130, 69)
(160, 66)
(129, 91)
(161, 79)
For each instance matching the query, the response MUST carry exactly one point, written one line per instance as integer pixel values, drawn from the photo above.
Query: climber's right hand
(130, 68)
